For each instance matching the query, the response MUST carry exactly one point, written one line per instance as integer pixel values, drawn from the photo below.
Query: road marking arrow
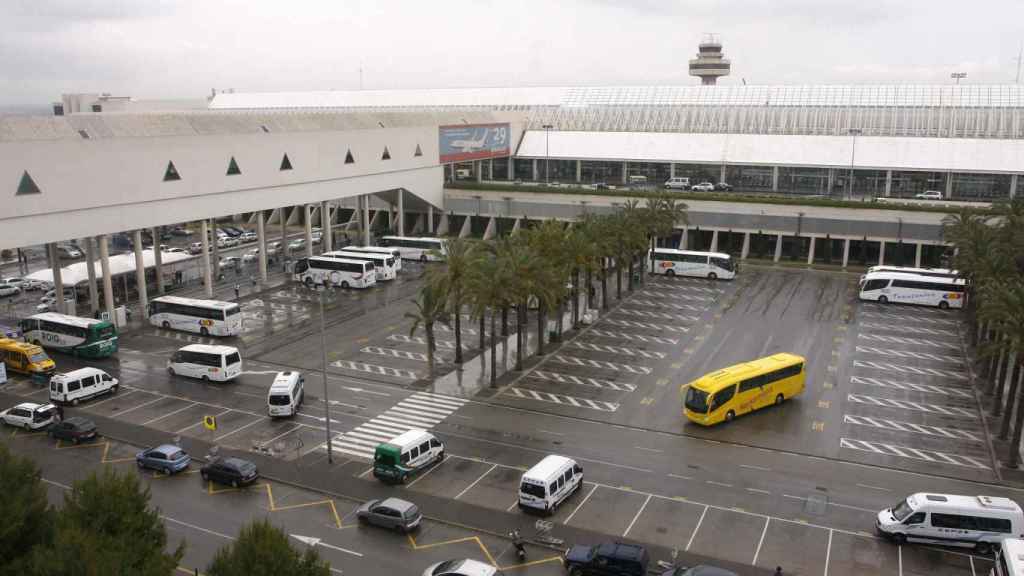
(314, 542)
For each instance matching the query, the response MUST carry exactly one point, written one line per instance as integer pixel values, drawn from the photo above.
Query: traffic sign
(210, 422)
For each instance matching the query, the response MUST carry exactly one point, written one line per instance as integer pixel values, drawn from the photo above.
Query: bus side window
(915, 518)
(722, 397)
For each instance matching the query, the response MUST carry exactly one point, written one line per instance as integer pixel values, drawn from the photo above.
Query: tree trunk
(618, 281)
(430, 350)
(521, 334)
(590, 290)
(629, 281)
(483, 333)
(504, 320)
(990, 383)
(650, 269)
(604, 288)
(494, 355)
(458, 333)
(997, 399)
(1015, 444)
(558, 326)
(575, 293)
(540, 327)
(1011, 398)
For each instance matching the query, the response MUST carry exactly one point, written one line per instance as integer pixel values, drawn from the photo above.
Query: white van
(678, 183)
(218, 363)
(286, 393)
(637, 179)
(549, 482)
(1009, 559)
(405, 455)
(82, 384)
(974, 521)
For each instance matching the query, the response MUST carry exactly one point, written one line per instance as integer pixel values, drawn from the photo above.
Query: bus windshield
(901, 511)
(723, 263)
(38, 357)
(697, 400)
(232, 310)
(105, 331)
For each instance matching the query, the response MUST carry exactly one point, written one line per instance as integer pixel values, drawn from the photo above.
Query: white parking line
(761, 541)
(752, 467)
(120, 395)
(467, 488)
(828, 551)
(638, 513)
(580, 505)
(257, 421)
(697, 527)
(151, 420)
(200, 422)
(431, 469)
(123, 412)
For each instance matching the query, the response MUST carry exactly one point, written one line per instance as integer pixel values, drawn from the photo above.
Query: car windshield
(532, 490)
(697, 400)
(38, 357)
(449, 566)
(902, 510)
(280, 400)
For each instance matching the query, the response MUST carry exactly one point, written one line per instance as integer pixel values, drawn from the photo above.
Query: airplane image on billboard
(464, 142)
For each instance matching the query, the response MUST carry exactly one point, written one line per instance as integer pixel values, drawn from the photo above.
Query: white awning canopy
(119, 264)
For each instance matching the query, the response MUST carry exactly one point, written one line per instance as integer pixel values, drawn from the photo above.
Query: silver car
(391, 513)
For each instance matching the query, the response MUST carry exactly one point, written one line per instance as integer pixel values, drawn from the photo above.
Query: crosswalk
(421, 411)
(933, 456)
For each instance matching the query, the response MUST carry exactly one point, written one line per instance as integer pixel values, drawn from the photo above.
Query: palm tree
(485, 286)
(462, 253)
(431, 308)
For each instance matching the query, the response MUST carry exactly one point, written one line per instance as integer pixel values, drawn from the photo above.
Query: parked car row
(683, 183)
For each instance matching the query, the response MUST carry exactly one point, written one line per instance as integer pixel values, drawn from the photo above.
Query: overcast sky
(183, 48)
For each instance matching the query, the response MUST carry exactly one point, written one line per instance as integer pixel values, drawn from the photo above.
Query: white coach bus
(710, 265)
(899, 288)
(207, 317)
(422, 249)
(394, 252)
(383, 264)
(341, 272)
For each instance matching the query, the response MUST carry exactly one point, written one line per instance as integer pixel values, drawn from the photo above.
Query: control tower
(709, 63)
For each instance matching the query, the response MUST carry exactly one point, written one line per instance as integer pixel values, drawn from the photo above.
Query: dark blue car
(166, 458)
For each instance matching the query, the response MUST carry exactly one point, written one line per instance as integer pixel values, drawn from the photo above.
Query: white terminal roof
(119, 264)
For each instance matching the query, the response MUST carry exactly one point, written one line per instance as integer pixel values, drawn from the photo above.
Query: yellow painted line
(273, 507)
(827, 385)
(818, 426)
(647, 400)
(841, 328)
(824, 403)
(831, 368)
(677, 365)
(799, 520)
(662, 381)
(362, 340)
(838, 339)
(532, 563)
(106, 449)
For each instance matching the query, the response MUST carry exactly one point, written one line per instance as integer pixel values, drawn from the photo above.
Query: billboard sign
(463, 142)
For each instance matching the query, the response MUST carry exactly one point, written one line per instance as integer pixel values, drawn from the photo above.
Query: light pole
(547, 151)
(323, 351)
(854, 132)
(957, 76)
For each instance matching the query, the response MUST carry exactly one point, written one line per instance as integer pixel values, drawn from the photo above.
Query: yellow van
(27, 359)
(729, 392)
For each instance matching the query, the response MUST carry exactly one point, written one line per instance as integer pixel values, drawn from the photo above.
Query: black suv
(614, 559)
(233, 471)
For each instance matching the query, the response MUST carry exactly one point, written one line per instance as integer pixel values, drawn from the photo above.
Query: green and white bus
(72, 334)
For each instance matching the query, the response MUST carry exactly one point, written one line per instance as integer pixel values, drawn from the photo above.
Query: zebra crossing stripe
(464, 329)
(418, 411)
(375, 369)
(569, 379)
(909, 341)
(563, 399)
(899, 426)
(647, 325)
(418, 356)
(645, 302)
(909, 354)
(910, 369)
(912, 319)
(913, 406)
(903, 328)
(443, 344)
(679, 285)
(912, 453)
(616, 350)
(659, 315)
(628, 336)
(662, 294)
(926, 388)
(601, 364)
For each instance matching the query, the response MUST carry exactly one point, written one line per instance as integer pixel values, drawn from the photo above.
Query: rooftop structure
(709, 64)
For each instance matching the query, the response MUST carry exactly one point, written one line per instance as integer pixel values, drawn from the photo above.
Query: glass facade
(758, 178)
(803, 180)
(499, 169)
(869, 183)
(980, 187)
(607, 172)
(698, 173)
(524, 169)
(907, 184)
(656, 172)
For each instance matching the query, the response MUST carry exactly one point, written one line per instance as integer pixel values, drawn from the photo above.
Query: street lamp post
(323, 351)
(547, 151)
(854, 132)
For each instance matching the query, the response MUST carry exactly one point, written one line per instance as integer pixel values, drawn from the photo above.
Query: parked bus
(1009, 558)
(207, 317)
(886, 287)
(979, 522)
(710, 265)
(383, 264)
(736, 390)
(932, 272)
(422, 249)
(217, 363)
(27, 359)
(79, 336)
(339, 271)
(395, 252)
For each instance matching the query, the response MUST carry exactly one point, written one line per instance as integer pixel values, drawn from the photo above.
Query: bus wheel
(344, 284)
(170, 371)
(206, 378)
(670, 273)
(883, 300)
(943, 305)
(779, 399)
(309, 282)
(983, 548)
(74, 402)
(166, 325)
(204, 332)
(729, 416)
(423, 258)
(712, 276)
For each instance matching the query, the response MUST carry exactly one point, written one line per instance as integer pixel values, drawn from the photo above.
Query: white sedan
(7, 289)
(250, 257)
(703, 187)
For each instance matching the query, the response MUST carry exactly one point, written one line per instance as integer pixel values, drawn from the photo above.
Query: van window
(279, 400)
(415, 452)
(560, 483)
(553, 488)
(576, 469)
(875, 285)
(74, 385)
(915, 519)
(434, 443)
(405, 457)
(233, 358)
(567, 476)
(532, 490)
(108, 378)
(425, 447)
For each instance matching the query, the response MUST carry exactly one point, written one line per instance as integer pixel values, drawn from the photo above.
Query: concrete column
(511, 168)
(1013, 185)
(90, 258)
(261, 244)
(140, 273)
(366, 219)
(917, 255)
(683, 238)
(746, 246)
(401, 212)
(625, 172)
(477, 171)
(949, 185)
(216, 248)
(282, 253)
(204, 227)
(430, 218)
(158, 260)
(778, 248)
(327, 242)
(721, 174)
(58, 282)
(671, 169)
(108, 285)
(308, 224)
(536, 174)
(888, 183)
(490, 169)
(810, 252)
(831, 180)
(846, 252)
(579, 171)
(714, 241)
(881, 253)
(775, 178)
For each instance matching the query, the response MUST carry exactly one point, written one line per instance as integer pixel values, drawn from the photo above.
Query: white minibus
(383, 264)
(286, 393)
(886, 287)
(82, 384)
(207, 317)
(341, 272)
(422, 249)
(973, 521)
(1009, 559)
(217, 363)
(394, 252)
(710, 265)
(549, 483)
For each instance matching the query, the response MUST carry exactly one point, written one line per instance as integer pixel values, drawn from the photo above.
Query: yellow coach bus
(730, 392)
